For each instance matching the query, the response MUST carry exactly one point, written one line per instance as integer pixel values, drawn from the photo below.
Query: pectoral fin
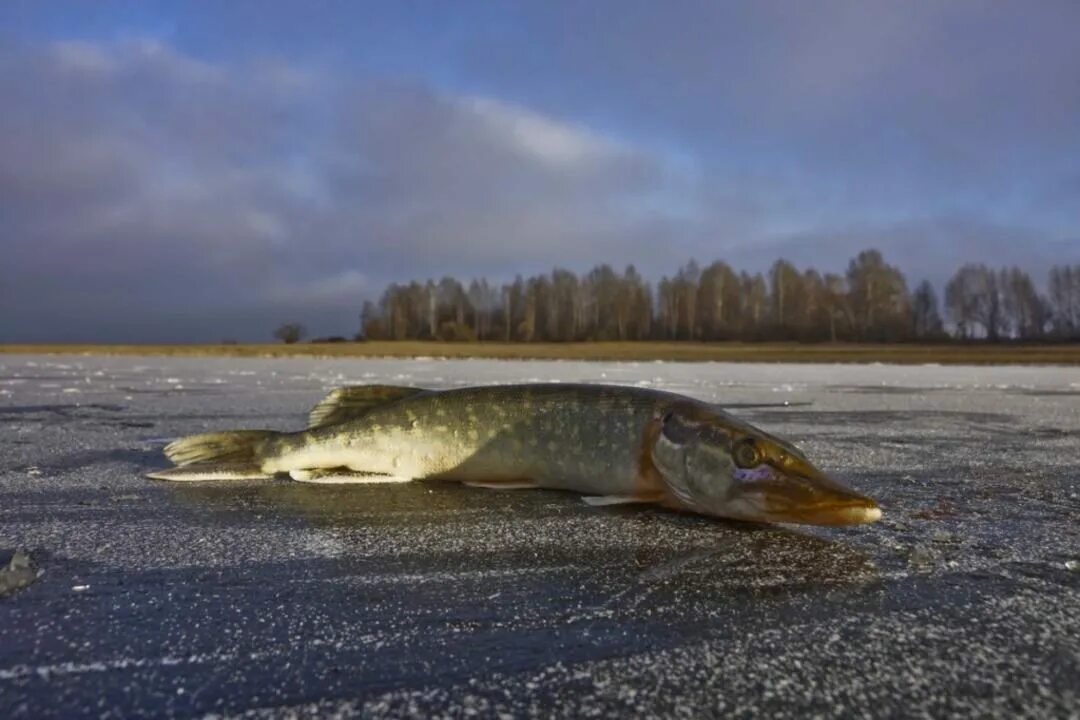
(602, 500)
(503, 485)
(206, 471)
(344, 476)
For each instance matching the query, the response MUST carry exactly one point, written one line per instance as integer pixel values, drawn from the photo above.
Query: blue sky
(197, 171)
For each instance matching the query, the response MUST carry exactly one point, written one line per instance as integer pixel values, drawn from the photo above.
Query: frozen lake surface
(278, 598)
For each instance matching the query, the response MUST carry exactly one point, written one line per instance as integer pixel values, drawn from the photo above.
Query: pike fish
(613, 444)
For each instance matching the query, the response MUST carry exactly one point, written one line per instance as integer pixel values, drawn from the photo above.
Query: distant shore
(902, 353)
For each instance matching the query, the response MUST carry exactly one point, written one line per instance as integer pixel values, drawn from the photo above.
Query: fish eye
(746, 454)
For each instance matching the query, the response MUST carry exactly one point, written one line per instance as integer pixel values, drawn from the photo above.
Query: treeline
(870, 302)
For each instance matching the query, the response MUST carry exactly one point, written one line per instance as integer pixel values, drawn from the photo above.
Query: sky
(203, 171)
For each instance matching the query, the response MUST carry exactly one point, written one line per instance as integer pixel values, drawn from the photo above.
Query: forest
(870, 302)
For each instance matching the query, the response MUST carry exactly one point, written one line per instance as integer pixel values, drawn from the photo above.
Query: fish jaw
(803, 496)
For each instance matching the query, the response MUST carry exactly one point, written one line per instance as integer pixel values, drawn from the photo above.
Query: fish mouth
(830, 515)
(808, 497)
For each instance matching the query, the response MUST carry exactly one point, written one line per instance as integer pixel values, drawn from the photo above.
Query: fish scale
(557, 436)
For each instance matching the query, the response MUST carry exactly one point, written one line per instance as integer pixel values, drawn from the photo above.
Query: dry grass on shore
(907, 353)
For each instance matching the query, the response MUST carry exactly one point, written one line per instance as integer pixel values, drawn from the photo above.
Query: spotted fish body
(618, 444)
(584, 438)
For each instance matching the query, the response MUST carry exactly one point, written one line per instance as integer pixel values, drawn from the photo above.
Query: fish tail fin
(219, 455)
(235, 446)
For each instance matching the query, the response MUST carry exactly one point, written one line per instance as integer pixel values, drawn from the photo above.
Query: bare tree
(639, 298)
(668, 318)
(837, 302)
(786, 298)
(817, 323)
(879, 297)
(869, 302)
(563, 306)
(925, 316)
(290, 332)
(372, 324)
(686, 282)
(484, 302)
(1026, 312)
(428, 297)
(973, 301)
(755, 301)
(602, 317)
(514, 307)
(1065, 300)
(961, 294)
(719, 302)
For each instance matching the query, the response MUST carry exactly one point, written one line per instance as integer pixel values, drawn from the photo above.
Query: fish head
(716, 464)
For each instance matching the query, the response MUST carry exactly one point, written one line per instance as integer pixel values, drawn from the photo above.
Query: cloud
(148, 192)
(475, 185)
(553, 143)
(138, 183)
(909, 104)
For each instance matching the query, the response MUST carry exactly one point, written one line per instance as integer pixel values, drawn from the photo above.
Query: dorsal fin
(353, 401)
